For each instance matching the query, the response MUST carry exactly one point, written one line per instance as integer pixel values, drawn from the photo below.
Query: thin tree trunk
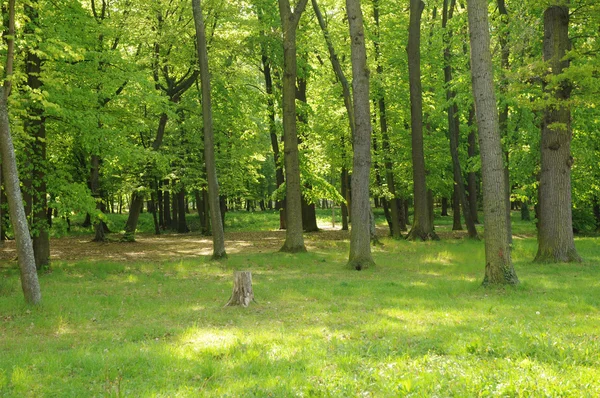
(555, 233)
(279, 178)
(25, 256)
(294, 240)
(182, 227)
(216, 213)
(503, 115)
(444, 207)
(360, 235)
(459, 197)
(499, 268)
(209, 146)
(472, 176)
(422, 227)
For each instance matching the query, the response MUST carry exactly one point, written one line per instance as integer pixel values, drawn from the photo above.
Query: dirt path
(169, 247)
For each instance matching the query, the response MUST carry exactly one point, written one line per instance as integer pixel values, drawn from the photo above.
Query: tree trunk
(294, 240)
(472, 176)
(596, 210)
(279, 178)
(422, 227)
(456, 221)
(360, 237)
(344, 189)
(242, 289)
(444, 207)
(459, 196)
(499, 268)
(182, 227)
(525, 212)
(503, 115)
(137, 201)
(35, 127)
(25, 256)
(555, 234)
(174, 212)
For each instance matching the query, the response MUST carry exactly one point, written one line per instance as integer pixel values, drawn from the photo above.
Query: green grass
(418, 324)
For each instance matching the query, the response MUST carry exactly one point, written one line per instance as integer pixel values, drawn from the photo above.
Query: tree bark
(279, 178)
(360, 237)
(35, 127)
(503, 115)
(182, 227)
(25, 256)
(422, 227)
(555, 233)
(137, 201)
(209, 151)
(459, 197)
(294, 240)
(472, 176)
(499, 268)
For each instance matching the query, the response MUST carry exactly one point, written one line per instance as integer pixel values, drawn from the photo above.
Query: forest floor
(148, 319)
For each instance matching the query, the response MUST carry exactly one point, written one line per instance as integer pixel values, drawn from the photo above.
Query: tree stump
(242, 289)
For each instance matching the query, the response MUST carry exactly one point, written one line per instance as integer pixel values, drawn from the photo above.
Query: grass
(417, 324)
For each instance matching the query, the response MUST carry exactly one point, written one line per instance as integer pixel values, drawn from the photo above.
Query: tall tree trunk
(503, 115)
(459, 197)
(444, 207)
(499, 268)
(309, 213)
(279, 178)
(555, 234)
(347, 95)
(35, 127)
(294, 240)
(360, 235)
(25, 256)
(209, 149)
(422, 227)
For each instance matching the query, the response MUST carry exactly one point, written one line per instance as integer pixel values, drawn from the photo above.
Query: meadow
(418, 324)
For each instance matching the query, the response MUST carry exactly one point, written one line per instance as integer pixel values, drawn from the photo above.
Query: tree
(25, 255)
(209, 154)
(422, 227)
(555, 232)
(294, 241)
(454, 132)
(360, 237)
(499, 268)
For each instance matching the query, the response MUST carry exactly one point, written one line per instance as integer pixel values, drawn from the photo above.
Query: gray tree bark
(422, 227)
(26, 259)
(294, 240)
(499, 268)
(360, 236)
(209, 153)
(555, 232)
(459, 197)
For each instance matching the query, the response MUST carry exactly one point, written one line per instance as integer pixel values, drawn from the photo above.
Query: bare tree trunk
(499, 268)
(503, 115)
(472, 177)
(294, 240)
(360, 236)
(422, 227)
(29, 278)
(555, 233)
(209, 152)
(460, 197)
(182, 227)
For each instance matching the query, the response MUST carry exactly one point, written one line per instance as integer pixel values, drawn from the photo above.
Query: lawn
(417, 324)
